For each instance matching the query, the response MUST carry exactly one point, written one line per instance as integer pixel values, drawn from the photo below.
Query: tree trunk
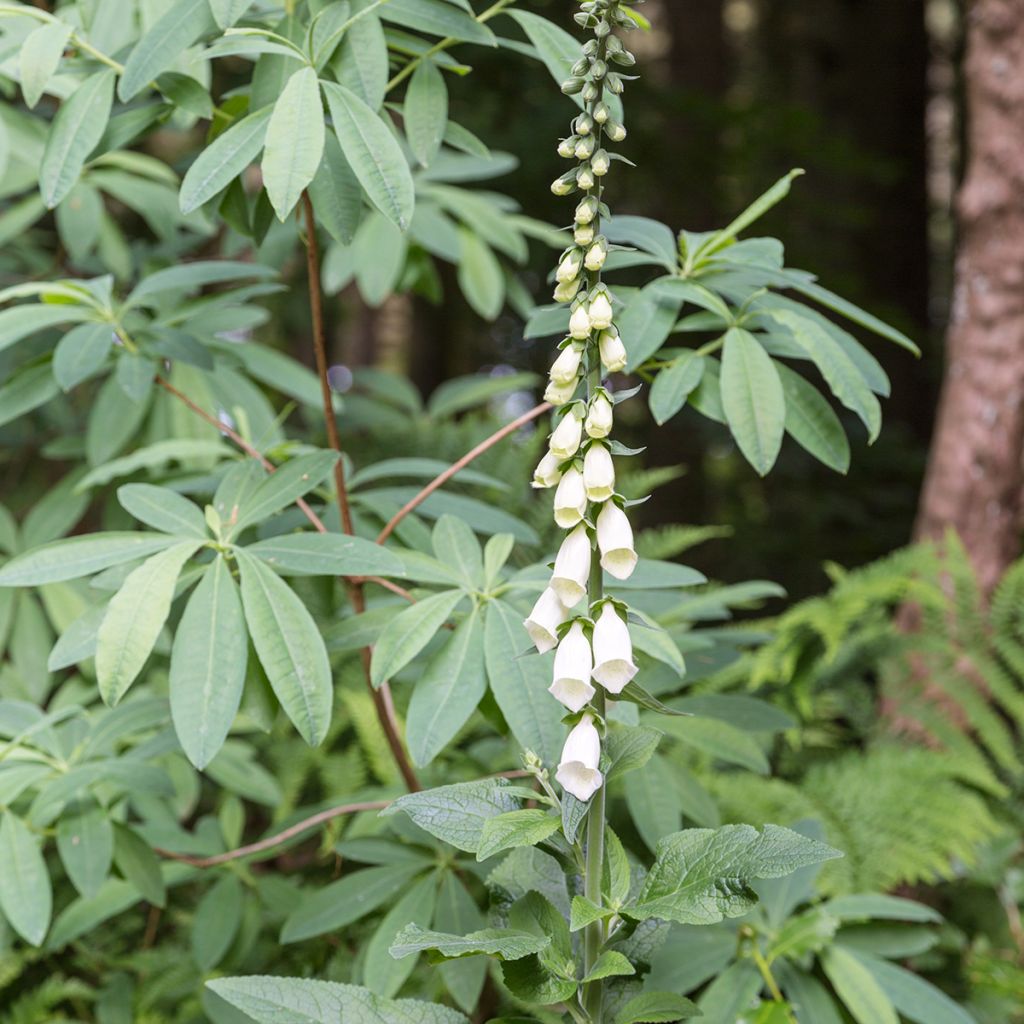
(975, 473)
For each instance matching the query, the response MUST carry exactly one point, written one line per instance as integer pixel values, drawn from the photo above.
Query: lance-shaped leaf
(702, 876)
(516, 828)
(857, 987)
(40, 54)
(812, 422)
(163, 509)
(25, 894)
(657, 1008)
(336, 193)
(289, 647)
(326, 554)
(503, 943)
(135, 616)
(409, 632)
(280, 489)
(85, 841)
(673, 385)
(208, 663)
(426, 111)
(753, 399)
(80, 353)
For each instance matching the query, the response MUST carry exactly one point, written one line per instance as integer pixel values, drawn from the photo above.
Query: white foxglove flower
(548, 472)
(565, 185)
(570, 499)
(566, 291)
(567, 148)
(600, 164)
(578, 771)
(564, 442)
(572, 567)
(613, 651)
(616, 132)
(583, 234)
(613, 352)
(579, 324)
(560, 394)
(598, 473)
(584, 124)
(596, 256)
(585, 177)
(569, 268)
(585, 147)
(548, 614)
(600, 417)
(602, 112)
(586, 211)
(615, 542)
(573, 666)
(600, 312)
(566, 368)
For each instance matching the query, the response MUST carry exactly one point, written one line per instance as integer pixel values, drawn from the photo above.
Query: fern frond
(667, 542)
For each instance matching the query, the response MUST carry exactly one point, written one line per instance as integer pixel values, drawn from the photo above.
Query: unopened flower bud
(548, 614)
(600, 312)
(578, 772)
(624, 58)
(599, 417)
(548, 472)
(585, 177)
(566, 290)
(580, 324)
(598, 473)
(613, 651)
(572, 567)
(615, 542)
(565, 184)
(599, 69)
(573, 667)
(613, 82)
(569, 267)
(580, 68)
(583, 125)
(615, 131)
(560, 394)
(570, 499)
(585, 147)
(565, 439)
(566, 367)
(583, 234)
(613, 352)
(567, 148)
(602, 112)
(601, 163)
(586, 210)
(590, 92)
(572, 86)
(596, 255)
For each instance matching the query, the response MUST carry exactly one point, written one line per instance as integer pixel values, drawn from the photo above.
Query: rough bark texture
(975, 473)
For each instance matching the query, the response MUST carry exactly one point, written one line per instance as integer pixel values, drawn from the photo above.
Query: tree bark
(975, 473)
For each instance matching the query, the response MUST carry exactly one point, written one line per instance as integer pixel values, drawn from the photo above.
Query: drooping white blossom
(569, 267)
(615, 541)
(573, 667)
(570, 499)
(600, 416)
(579, 324)
(598, 473)
(542, 624)
(560, 394)
(548, 472)
(566, 368)
(600, 312)
(613, 651)
(565, 440)
(572, 567)
(613, 352)
(578, 772)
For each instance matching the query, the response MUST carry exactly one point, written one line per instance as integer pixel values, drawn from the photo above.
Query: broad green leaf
(291, 481)
(154, 456)
(720, 740)
(336, 194)
(461, 393)
(653, 802)
(448, 692)
(456, 547)
(503, 943)
(520, 685)
(373, 152)
(77, 128)
(350, 898)
(40, 55)
(875, 905)
(25, 391)
(191, 276)
(583, 912)
(326, 554)
(85, 841)
(80, 556)
(856, 986)
(208, 664)
(138, 863)
(187, 94)
(113, 420)
(457, 914)
(274, 1000)
(227, 12)
(647, 321)
(79, 217)
(426, 111)
(753, 399)
(673, 385)
(656, 1008)
(379, 252)
(702, 876)
(456, 814)
(23, 321)
(649, 235)
(135, 616)
(912, 996)
(224, 159)
(361, 62)
(811, 1000)
(294, 142)
(812, 422)
(516, 828)
(438, 18)
(26, 897)
(290, 648)
(216, 921)
(541, 977)
(134, 374)
(802, 934)
(382, 973)
(480, 275)
(409, 632)
(628, 748)
(163, 509)
(159, 48)
(731, 994)
(80, 353)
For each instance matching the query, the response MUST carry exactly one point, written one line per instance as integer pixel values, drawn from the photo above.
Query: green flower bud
(580, 68)
(614, 83)
(584, 177)
(585, 147)
(599, 69)
(586, 211)
(571, 86)
(600, 164)
(584, 234)
(583, 125)
(565, 185)
(625, 59)
(567, 147)
(569, 267)
(590, 92)
(602, 112)
(566, 291)
(615, 131)
(596, 255)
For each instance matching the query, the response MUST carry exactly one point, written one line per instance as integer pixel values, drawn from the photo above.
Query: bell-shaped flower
(578, 772)
(616, 131)
(548, 472)
(579, 324)
(613, 352)
(613, 651)
(596, 255)
(601, 163)
(572, 567)
(567, 148)
(583, 234)
(600, 312)
(570, 499)
(586, 210)
(565, 185)
(548, 614)
(615, 542)
(602, 112)
(560, 394)
(598, 473)
(583, 125)
(566, 368)
(564, 442)
(585, 147)
(585, 177)
(566, 291)
(600, 416)
(569, 267)
(573, 665)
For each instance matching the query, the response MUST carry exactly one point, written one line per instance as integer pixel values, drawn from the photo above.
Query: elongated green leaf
(76, 129)
(40, 55)
(457, 914)
(224, 159)
(857, 987)
(753, 399)
(757, 209)
(190, 277)
(290, 648)
(20, 322)
(382, 972)
(480, 275)
(336, 193)
(409, 632)
(448, 692)
(25, 391)
(647, 321)
(673, 385)
(656, 1008)
(217, 920)
(180, 26)
(373, 152)
(85, 841)
(294, 142)
(516, 828)
(812, 422)
(138, 863)
(345, 901)
(80, 353)
(326, 554)
(135, 616)
(227, 12)
(280, 489)
(26, 897)
(912, 996)
(80, 556)
(653, 802)
(503, 943)
(361, 62)
(208, 664)
(438, 18)
(875, 905)
(163, 509)
(426, 111)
